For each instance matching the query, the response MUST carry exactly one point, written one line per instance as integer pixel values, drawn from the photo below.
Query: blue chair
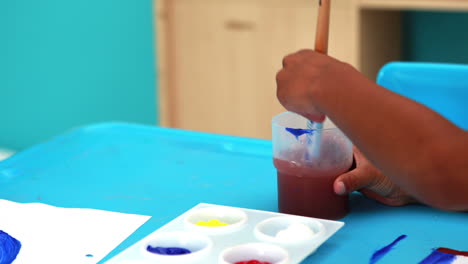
(441, 87)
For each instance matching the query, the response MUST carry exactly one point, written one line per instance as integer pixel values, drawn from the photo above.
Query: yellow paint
(211, 223)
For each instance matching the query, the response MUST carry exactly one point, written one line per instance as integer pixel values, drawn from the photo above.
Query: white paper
(54, 235)
(460, 260)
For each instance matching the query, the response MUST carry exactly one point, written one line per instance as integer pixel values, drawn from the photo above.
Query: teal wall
(67, 63)
(435, 37)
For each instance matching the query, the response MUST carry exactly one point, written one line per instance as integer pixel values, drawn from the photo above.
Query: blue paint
(383, 251)
(297, 132)
(438, 258)
(89, 255)
(168, 250)
(9, 248)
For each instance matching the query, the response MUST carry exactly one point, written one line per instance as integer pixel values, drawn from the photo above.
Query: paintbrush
(321, 45)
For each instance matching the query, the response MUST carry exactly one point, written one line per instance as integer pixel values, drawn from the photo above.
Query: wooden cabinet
(218, 58)
(221, 58)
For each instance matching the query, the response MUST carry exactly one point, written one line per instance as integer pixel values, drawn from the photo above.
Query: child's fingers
(352, 181)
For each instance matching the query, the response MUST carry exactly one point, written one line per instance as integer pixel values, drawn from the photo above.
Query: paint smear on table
(9, 248)
(453, 252)
(446, 256)
(384, 251)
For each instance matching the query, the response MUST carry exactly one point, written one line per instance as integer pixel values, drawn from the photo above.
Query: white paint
(296, 231)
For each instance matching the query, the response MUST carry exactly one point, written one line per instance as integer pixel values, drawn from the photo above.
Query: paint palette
(236, 235)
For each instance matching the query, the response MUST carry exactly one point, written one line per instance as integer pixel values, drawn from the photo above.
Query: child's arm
(419, 150)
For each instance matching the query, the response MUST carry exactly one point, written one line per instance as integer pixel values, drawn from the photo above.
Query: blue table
(163, 172)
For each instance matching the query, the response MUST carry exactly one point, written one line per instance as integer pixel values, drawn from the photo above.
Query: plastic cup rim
(275, 123)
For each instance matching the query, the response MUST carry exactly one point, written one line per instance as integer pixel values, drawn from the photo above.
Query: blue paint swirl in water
(438, 258)
(297, 132)
(383, 251)
(9, 248)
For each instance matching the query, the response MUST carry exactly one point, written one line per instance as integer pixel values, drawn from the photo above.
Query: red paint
(253, 261)
(309, 192)
(453, 252)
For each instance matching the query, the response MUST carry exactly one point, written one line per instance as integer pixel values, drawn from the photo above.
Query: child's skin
(414, 154)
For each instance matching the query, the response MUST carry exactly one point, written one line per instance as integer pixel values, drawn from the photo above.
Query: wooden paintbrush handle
(323, 24)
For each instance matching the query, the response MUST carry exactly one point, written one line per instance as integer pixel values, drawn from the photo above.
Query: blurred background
(205, 65)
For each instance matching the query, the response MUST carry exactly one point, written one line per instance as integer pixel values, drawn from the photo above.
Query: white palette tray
(250, 234)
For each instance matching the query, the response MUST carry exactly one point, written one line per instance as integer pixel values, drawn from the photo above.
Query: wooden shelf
(449, 5)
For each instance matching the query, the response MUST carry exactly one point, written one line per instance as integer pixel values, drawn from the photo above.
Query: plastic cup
(305, 176)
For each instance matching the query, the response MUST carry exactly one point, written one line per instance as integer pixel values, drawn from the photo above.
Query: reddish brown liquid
(309, 192)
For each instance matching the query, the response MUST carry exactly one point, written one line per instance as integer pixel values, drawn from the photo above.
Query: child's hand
(371, 182)
(303, 75)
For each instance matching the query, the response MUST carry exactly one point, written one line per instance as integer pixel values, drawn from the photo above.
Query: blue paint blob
(438, 258)
(9, 248)
(89, 255)
(383, 251)
(167, 251)
(297, 132)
